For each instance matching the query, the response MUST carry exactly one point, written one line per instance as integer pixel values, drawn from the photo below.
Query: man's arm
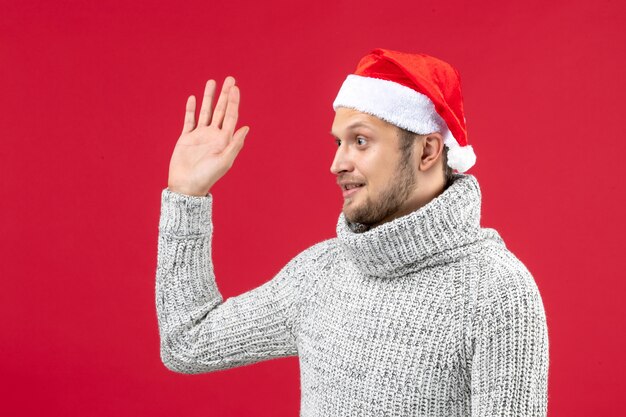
(199, 331)
(509, 335)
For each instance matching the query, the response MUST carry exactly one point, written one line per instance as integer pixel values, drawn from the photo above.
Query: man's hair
(406, 148)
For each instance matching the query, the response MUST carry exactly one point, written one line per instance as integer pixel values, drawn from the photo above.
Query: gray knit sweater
(427, 315)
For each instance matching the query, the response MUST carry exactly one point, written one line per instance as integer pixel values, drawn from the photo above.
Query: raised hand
(206, 151)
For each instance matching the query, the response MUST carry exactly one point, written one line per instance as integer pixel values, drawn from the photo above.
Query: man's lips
(347, 193)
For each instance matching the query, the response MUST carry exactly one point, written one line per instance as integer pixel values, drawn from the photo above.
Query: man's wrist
(190, 193)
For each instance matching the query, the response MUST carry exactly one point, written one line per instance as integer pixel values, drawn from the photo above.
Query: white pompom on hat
(416, 92)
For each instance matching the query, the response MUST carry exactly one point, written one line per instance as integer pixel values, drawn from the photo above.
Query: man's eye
(360, 138)
(338, 142)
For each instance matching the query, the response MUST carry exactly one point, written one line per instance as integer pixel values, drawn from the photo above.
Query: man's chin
(350, 217)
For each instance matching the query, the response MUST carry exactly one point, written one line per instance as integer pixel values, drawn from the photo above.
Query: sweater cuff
(183, 214)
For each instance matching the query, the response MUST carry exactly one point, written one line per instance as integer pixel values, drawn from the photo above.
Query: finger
(207, 103)
(232, 111)
(220, 108)
(238, 139)
(190, 114)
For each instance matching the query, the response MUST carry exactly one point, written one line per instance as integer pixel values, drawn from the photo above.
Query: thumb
(238, 139)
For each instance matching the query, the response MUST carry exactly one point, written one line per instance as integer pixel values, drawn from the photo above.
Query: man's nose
(342, 161)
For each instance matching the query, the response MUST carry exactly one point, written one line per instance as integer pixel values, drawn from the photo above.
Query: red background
(92, 102)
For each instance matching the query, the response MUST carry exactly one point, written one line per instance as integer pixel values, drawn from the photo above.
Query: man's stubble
(390, 199)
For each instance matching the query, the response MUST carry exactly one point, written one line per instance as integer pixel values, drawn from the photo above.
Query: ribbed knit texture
(427, 315)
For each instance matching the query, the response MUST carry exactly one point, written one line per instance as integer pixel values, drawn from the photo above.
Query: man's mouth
(351, 189)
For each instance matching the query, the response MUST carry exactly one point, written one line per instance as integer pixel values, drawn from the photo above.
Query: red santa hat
(416, 92)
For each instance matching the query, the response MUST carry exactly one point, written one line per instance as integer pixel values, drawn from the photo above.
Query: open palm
(206, 151)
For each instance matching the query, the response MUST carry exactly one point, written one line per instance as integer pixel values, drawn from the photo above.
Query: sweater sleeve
(509, 371)
(199, 331)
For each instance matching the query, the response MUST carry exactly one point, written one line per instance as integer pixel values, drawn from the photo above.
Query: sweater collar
(437, 232)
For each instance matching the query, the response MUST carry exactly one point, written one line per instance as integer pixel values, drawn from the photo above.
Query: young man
(413, 309)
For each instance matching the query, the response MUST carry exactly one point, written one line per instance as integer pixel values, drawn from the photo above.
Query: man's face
(369, 153)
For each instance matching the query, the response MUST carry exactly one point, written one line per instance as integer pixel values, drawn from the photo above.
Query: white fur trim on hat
(404, 107)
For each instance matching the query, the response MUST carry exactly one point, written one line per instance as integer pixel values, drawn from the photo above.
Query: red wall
(92, 101)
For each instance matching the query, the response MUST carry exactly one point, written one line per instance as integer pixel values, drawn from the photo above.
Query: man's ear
(432, 148)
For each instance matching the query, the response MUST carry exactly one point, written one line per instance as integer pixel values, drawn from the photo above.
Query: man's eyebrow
(353, 125)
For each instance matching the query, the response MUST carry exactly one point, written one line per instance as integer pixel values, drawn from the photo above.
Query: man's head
(399, 171)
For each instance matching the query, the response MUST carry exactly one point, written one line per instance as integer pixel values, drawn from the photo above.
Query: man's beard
(388, 202)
